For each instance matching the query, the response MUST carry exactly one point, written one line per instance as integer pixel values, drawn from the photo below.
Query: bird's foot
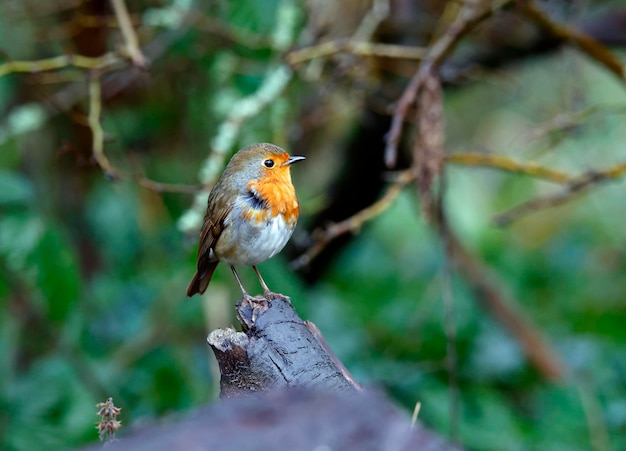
(249, 308)
(270, 295)
(255, 299)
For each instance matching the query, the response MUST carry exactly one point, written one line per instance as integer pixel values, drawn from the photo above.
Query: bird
(251, 214)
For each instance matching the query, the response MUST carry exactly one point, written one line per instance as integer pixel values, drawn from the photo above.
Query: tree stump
(275, 350)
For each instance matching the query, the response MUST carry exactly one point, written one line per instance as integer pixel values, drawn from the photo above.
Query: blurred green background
(93, 272)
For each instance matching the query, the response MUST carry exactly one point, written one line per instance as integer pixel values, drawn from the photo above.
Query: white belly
(250, 243)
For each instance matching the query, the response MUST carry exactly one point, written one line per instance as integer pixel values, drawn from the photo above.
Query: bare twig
(471, 13)
(95, 108)
(575, 188)
(322, 237)
(34, 114)
(110, 172)
(105, 62)
(370, 49)
(567, 121)
(576, 185)
(160, 187)
(583, 41)
(401, 110)
(508, 164)
(368, 26)
(428, 148)
(128, 32)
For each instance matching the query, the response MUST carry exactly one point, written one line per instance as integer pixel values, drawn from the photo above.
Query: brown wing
(211, 231)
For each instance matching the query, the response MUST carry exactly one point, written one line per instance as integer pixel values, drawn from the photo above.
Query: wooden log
(294, 420)
(275, 350)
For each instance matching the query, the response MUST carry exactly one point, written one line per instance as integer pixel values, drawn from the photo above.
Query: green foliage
(37, 252)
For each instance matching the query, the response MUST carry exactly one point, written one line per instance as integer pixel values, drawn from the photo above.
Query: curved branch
(582, 40)
(508, 164)
(471, 13)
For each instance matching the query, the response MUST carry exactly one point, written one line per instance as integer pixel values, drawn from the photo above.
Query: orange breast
(279, 195)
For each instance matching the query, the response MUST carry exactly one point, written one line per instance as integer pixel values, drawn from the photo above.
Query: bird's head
(262, 162)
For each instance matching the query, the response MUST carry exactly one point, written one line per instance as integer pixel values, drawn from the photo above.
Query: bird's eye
(269, 163)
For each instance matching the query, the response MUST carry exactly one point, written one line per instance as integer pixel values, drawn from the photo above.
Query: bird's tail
(201, 279)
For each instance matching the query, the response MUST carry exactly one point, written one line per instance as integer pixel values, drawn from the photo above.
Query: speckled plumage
(251, 214)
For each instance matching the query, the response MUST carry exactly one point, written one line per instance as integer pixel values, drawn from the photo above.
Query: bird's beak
(293, 159)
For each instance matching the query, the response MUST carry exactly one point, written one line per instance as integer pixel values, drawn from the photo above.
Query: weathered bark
(276, 350)
(291, 420)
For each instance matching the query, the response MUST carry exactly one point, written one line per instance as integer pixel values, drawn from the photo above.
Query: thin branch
(322, 237)
(110, 172)
(369, 49)
(575, 185)
(471, 13)
(508, 164)
(160, 187)
(97, 66)
(583, 41)
(95, 108)
(372, 20)
(575, 188)
(429, 142)
(567, 121)
(104, 62)
(128, 32)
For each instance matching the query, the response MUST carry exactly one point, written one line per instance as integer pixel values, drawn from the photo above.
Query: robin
(251, 213)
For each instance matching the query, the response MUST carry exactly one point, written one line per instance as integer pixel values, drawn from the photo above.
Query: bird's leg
(243, 290)
(266, 290)
(246, 295)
